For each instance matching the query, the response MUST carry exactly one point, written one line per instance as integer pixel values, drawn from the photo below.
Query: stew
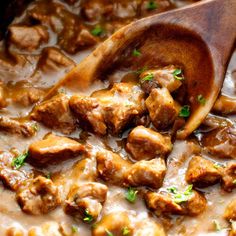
(105, 161)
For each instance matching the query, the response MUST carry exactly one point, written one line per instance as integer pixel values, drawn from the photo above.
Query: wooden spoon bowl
(199, 38)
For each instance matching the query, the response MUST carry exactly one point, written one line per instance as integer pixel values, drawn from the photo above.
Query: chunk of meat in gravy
(120, 105)
(3, 102)
(163, 110)
(229, 177)
(88, 111)
(221, 142)
(111, 167)
(146, 144)
(86, 200)
(225, 105)
(146, 173)
(14, 231)
(52, 59)
(230, 211)
(28, 37)
(38, 196)
(113, 223)
(55, 113)
(53, 149)
(162, 77)
(14, 126)
(202, 172)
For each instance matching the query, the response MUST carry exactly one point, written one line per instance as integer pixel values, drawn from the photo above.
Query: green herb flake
(109, 233)
(35, 127)
(48, 175)
(131, 195)
(184, 111)
(126, 231)
(234, 181)
(189, 190)
(181, 197)
(141, 70)
(87, 217)
(148, 77)
(172, 189)
(136, 53)
(74, 229)
(97, 31)
(178, 74)
(217, 225)
(201, 99)
(151, 5)
(19, 161)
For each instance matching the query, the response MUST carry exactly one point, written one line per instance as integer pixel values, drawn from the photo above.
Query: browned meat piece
(191, 203)
(148, 227)
(225, 105)
(146, 173)
(111, 167)
(55, 114)
(28, 37)
(14, 231)
(113, 223)
(85, 201)
(163, 110)
(230, 211)
(38, 196)
(88, 110)
(202, 172)
(162, 204)
(52, 59)
(54, 148)
(3, 102)
(111, 109)
(229, 177)
(23, 128)
(162, 77)
(221, 142)
(146, 144)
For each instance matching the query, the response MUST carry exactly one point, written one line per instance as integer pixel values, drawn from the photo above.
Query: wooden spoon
(199, 38)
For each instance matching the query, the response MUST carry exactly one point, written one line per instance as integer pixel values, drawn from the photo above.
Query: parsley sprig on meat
(181, 197)
(19, 161)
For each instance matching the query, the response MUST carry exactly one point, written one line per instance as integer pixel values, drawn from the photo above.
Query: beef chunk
(162, 77)
(52, 59)
(111, 167)
(13, 126)
(28, 37)
(221, 142)
(229, 177)
(225, 105)
(162, 204)
(55, 114)
(148, 227)
(163, 110)
(38, 196)
(14, 231)
(230, 211)
(202, 172)
(113, 223)
(54, 148)
(88, 110)
(146, 144)
(113, 109)
(85, 201)
(146, 173)
(191, 203)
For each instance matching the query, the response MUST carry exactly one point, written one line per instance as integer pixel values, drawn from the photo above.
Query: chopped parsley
(151, 5)
(141, 70)
(217, 225)
(184, 111)
(74, 229)
(19, 161)
(109, 233)
(126, 231)
(178, 74)
(201, 99)
(87, 217)
(97, 31)
(35, 127)
(148, 77)
(181, 197)
(48, 175)
(136, 53)
(218, 165)
(131, 195)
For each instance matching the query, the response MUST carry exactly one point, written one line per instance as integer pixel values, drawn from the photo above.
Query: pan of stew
(105, 160)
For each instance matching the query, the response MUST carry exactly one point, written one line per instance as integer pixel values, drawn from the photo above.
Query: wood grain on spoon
(199, 37)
